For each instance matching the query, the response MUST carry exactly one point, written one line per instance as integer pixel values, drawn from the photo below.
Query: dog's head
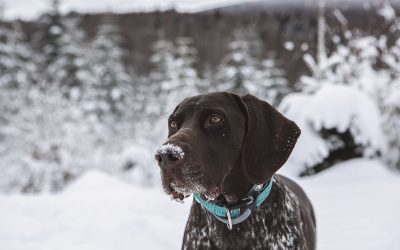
(220, 137)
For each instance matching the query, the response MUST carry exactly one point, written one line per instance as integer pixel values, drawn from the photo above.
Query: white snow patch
(289, 45)
(88, 183)
(387, 12)
(96, 212)
(356, 202)
(171, 148)
(304, 47)
(393, 98)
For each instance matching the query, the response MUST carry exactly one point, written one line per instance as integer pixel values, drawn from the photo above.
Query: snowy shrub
(338, 122)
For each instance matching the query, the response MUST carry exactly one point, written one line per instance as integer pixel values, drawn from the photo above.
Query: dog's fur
(223, 160)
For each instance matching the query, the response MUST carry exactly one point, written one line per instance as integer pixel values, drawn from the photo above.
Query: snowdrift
(356, 206)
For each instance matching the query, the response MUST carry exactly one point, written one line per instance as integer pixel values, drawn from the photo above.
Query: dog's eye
(214, 119)
(173, 124)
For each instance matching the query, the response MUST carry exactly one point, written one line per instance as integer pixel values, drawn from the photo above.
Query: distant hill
(305, 5)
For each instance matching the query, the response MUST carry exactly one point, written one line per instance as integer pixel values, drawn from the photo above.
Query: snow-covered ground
(357, 205)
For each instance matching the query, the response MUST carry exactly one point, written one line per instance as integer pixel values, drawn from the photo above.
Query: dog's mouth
(179, 184)
(211, 194)
(179, 193)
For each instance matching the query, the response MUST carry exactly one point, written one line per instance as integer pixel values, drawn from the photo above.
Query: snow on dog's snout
(176, 151)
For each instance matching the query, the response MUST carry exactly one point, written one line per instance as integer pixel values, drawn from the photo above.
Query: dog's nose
(169, 156)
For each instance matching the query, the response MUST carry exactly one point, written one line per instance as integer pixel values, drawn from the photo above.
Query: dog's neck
(235, 185)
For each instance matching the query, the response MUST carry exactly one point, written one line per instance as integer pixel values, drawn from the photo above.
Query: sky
(30, 9)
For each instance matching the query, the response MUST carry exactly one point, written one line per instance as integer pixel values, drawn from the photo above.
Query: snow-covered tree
(108, 92)
(17, 59)
(46, 140)
(174, 76)
(48, 130)
(236, 69)
(343, 96)
(243, 70)
(70, 69)
(352, 63)
(47, 39)
(184, 77)
(163, 60)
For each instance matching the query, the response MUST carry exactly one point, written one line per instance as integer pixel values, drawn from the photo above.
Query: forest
(93, 91)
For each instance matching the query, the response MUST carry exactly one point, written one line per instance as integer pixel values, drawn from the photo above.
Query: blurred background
(86, 88)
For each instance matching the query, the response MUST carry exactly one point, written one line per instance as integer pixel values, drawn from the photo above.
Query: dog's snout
(167, 159)
(169, 156)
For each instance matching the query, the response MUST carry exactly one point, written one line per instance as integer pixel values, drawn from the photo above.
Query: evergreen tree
(108, 92)
(243, 70)
(184, 77)
(160, 78)
(17, 65)
(174, 76)
(70, 69)
(237, 68)
(46, 140)
(52, 28)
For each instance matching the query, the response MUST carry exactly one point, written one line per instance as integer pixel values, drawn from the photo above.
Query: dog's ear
(269, 140)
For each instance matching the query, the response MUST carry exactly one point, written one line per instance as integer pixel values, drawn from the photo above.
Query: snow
(333, 106)
(171, 148)
(304, 46)
(96, 212)
(393, 98)
(289, 45)
(356, 206)
(387, 12)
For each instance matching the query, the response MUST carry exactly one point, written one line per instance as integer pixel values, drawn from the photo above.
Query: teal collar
(241, 211)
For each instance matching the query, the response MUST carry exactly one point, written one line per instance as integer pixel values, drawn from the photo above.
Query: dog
(226, 149)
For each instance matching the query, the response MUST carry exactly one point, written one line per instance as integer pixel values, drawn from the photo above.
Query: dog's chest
(275, 225)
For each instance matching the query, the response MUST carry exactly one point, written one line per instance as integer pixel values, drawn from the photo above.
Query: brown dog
(226, 149)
